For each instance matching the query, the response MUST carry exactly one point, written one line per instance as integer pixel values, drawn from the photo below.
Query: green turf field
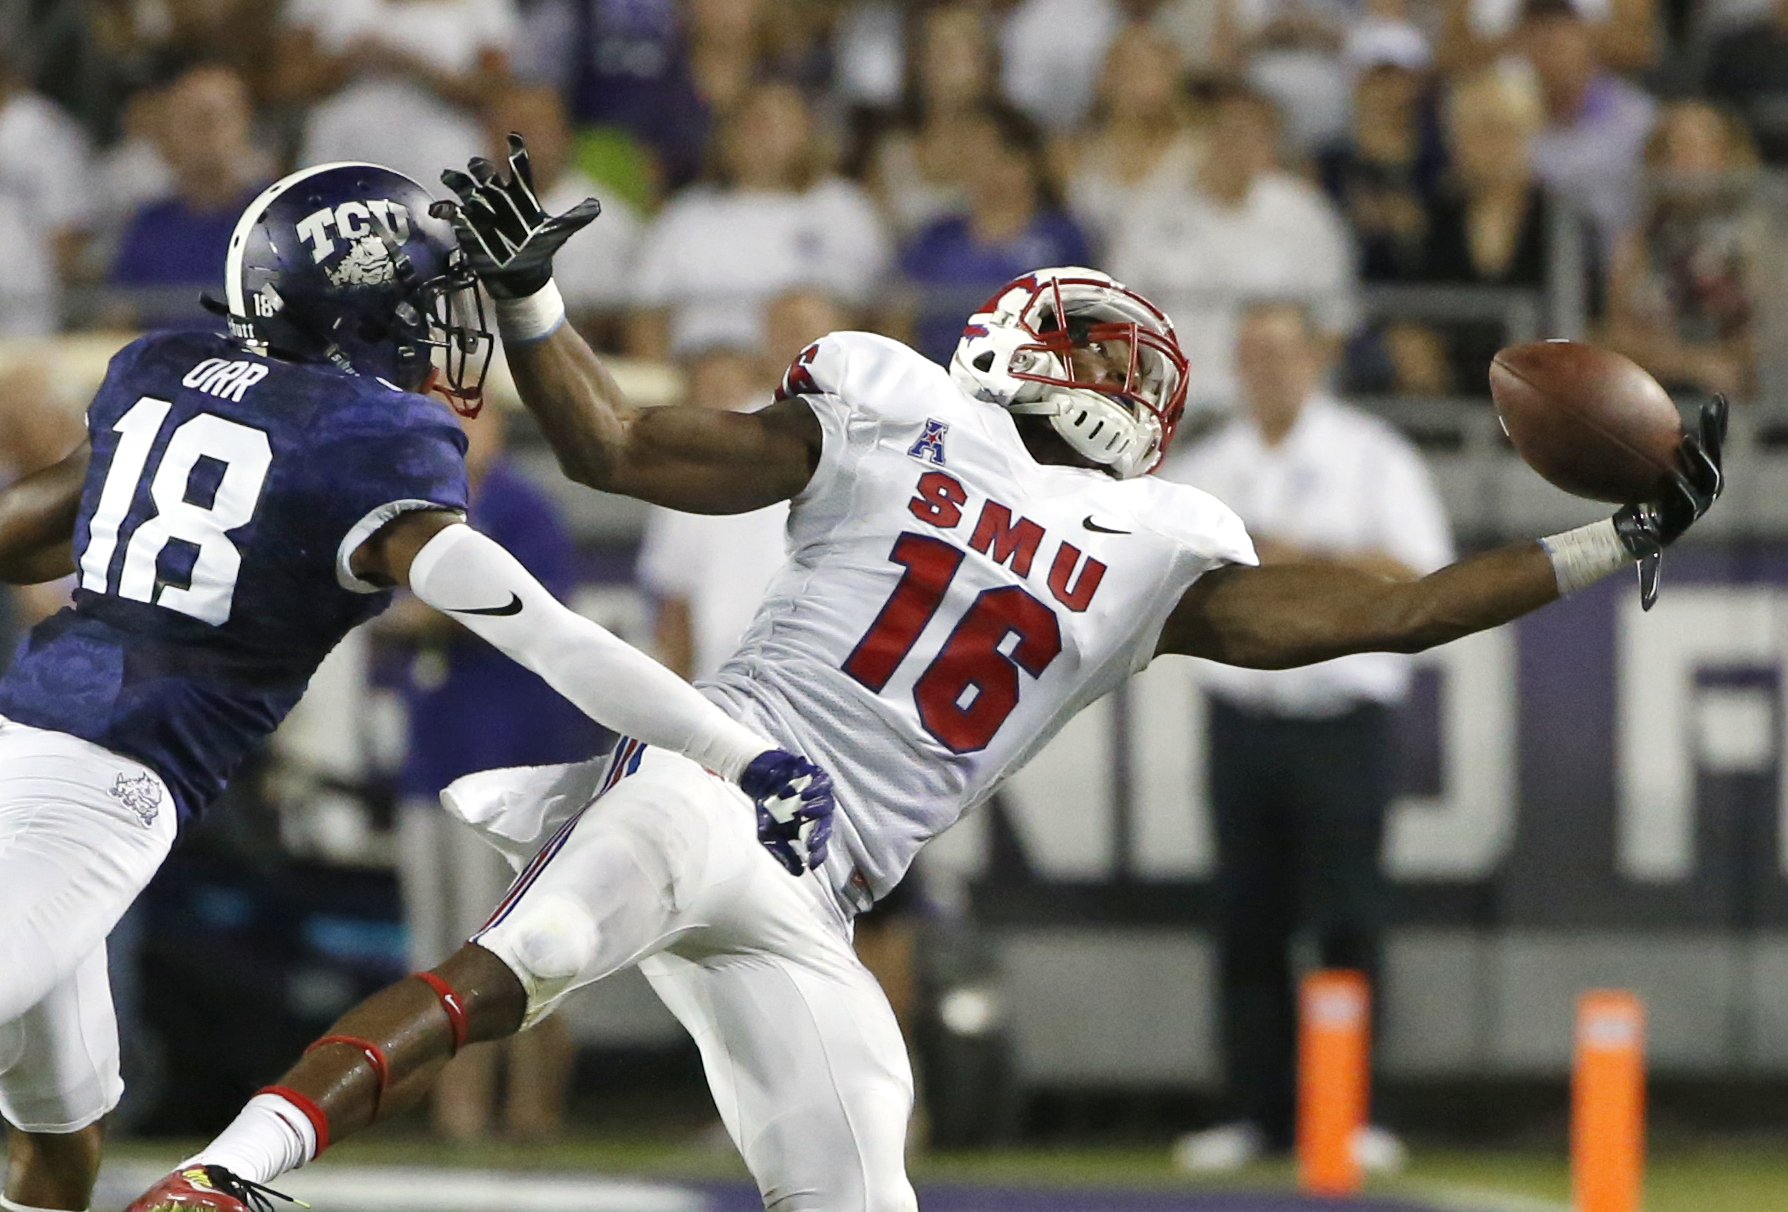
(1711, 1178)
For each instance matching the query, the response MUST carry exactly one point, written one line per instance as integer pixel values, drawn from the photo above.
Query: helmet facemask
(444, 313)
(460, 343)
(1117, 408)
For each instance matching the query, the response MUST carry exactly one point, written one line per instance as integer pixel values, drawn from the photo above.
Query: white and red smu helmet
(1016, 353)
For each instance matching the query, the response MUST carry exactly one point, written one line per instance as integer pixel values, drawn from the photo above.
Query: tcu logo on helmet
(351, 223)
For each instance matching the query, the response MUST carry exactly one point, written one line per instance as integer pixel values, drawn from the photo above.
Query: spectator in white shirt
(1301, 761)
(401, 80)
(1052, 52)
(1139, 141)
(1245, 229)
(1305, 55)
(707, 573)
(921, 169)
(592, 269)
(129, 173)
(771, 220)
(43, 203)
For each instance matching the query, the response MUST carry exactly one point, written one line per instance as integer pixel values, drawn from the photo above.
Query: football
(1587, 419)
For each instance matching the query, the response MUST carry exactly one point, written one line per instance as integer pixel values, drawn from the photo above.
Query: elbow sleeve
(472, 579)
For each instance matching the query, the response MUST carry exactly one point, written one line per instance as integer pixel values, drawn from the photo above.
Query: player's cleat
(210, 1187)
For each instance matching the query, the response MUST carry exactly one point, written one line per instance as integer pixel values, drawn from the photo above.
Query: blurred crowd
(903, 159)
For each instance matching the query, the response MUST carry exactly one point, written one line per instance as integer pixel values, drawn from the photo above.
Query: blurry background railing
(1520, 312)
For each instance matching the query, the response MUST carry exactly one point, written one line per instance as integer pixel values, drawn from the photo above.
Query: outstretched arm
(472, 579)
(37, 517)
(685, 458)
(1278, 616)
(695, 459)
(1282, 615)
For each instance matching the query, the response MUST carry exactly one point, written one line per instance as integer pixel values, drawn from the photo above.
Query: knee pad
(548, 941)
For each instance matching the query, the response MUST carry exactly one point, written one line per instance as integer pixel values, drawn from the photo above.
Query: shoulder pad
(1195, 519)
(131, 352)
(371, 408)
(858, 366)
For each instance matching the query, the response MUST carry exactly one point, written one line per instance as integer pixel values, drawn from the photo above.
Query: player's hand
(502, 227)
(794, 807)
(1650, 526)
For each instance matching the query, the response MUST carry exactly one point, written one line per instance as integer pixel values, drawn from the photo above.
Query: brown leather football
(1587, 419)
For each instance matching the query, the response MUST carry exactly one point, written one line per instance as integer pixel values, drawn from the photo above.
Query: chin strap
(468, 403)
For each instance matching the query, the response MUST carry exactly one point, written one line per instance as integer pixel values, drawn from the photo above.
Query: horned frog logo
(142, 795)
(367, 263)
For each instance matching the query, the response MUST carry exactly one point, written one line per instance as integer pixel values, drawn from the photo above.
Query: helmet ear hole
(984, 362)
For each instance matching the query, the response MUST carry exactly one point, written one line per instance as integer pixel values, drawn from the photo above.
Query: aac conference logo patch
(930, 446)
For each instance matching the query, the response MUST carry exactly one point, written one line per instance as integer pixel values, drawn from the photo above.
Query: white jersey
(949, 602)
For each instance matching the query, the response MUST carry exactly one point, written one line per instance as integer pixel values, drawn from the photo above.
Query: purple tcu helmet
(342, 263)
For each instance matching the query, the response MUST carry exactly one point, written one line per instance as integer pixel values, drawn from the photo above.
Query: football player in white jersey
(976, 554)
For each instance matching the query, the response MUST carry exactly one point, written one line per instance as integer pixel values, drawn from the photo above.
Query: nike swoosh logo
(514, 607)
(1092, 525)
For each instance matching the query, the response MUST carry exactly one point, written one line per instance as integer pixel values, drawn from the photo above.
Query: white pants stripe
(624, 762)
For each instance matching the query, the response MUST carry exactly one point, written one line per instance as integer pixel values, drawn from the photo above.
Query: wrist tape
(1585, 555)
(531, 318)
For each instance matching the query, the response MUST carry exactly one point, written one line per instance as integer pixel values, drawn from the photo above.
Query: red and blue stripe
(625, 761)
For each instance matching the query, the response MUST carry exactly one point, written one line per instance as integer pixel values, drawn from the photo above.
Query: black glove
(509, 239)
(1650, 526)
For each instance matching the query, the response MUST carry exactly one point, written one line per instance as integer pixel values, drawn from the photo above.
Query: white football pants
(82, 830)
(801, 1049)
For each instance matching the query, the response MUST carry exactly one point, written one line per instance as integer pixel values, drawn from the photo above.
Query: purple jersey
(226, 492)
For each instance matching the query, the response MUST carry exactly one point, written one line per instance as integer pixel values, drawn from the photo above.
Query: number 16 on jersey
(972, 685)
